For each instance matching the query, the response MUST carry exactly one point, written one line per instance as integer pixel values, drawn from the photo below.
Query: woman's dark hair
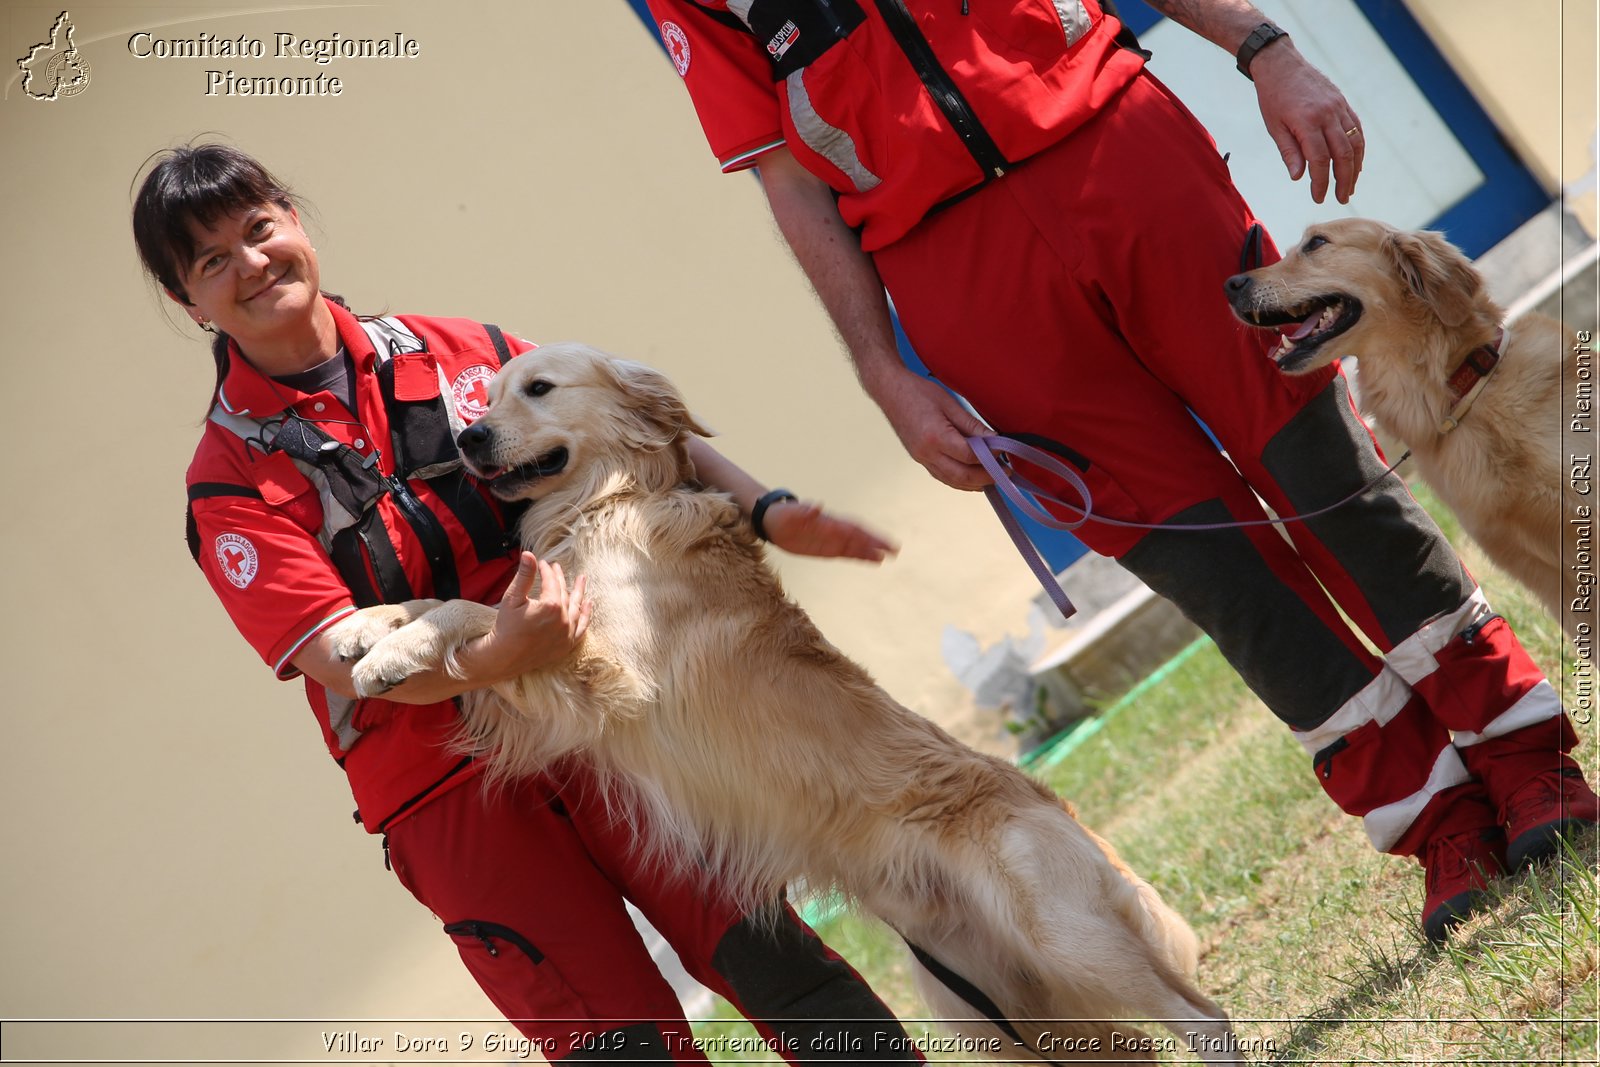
(197, 184)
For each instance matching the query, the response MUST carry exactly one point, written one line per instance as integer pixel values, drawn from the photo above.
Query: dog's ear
(1437, 273)
(655, 404)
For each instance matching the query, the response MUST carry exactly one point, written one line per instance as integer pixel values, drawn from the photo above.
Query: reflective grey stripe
(1074, 19)
(294, 649)
(334, 515)
(341, 716)
(391, 337)
(741, 8)
(1536, 705)
(1386, 825)
(829, 142)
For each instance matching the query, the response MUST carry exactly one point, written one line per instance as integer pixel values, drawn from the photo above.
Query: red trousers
(529, 881)
(1079, 300)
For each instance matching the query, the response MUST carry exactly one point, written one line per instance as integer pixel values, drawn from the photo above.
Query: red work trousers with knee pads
(529, 879)
(1079, 300)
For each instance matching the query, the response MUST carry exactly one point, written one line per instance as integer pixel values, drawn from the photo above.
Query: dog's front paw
(410, 650)
(354, 636)
(375, 677)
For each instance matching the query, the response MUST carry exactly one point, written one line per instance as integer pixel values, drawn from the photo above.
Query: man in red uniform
(1055, 229)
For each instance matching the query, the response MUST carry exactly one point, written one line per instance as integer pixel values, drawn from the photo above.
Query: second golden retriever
(1479, 405)
(734, 735)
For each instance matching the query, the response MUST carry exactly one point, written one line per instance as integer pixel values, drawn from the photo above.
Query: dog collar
(1469, 378)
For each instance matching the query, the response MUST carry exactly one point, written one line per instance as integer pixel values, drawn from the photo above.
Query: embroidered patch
(677, 43)
(470, 391)
(237, 558)
(783, 40)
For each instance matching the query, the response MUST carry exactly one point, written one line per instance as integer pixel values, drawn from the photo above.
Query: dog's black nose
(1238, 285)
(474, 437)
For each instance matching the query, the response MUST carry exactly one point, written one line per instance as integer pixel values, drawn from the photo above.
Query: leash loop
(993, 450)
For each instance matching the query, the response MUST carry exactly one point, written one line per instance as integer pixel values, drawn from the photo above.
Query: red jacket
(899, 105)
(288, 553)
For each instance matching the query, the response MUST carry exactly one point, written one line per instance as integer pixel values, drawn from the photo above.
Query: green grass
(1309, 938)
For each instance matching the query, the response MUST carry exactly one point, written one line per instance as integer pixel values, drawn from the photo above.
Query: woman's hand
(803, 528)
(531, 632)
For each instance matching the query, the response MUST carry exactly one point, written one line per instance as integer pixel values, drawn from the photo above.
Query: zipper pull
(1322, 762)
(965, 8)
(1470, 634)
(488, 943)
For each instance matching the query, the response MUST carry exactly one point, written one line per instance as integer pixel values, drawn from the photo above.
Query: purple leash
(1025, 495)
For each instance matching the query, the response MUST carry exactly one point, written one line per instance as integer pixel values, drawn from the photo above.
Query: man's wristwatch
(1259, 38)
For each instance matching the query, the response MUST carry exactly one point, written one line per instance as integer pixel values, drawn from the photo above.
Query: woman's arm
(800, 527)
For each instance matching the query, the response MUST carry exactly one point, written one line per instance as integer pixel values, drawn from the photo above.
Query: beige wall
(1531, 65)
(176, 842)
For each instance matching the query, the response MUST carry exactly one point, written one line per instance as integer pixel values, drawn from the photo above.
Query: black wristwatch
(1259, 38)
(759, 512)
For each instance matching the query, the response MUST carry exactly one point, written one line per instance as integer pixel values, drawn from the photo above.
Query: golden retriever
(735, 736)
(1411, 308)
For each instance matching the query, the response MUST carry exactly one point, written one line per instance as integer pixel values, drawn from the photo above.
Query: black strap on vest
(421, 436)
(502, 351)
(200, 491)
(1125, 38)
(420, 433)
(492, 535)
(356, 484)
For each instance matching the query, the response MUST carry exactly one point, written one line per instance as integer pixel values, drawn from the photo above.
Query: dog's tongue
(1305, 328)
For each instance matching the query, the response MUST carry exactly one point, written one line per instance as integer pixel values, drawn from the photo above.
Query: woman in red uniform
(327, 479)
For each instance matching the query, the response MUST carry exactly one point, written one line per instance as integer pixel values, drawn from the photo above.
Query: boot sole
(1542, 842)
(1450, 913)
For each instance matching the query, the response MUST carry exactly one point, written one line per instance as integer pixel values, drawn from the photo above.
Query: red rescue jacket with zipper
(301, 511)
(899, 105)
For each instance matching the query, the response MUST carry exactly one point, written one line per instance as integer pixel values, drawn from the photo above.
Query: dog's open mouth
(1307, 328)
(506, 482)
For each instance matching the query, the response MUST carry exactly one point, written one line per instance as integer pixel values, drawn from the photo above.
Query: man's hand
(803, 528)
(1309, 119)
(931, 424)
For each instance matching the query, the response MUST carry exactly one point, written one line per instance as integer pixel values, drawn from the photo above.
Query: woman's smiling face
(254, 275)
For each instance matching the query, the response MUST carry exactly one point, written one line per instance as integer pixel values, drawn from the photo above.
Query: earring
(205, 324)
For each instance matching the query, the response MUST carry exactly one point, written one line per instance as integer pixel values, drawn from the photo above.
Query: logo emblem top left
(55, 69)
